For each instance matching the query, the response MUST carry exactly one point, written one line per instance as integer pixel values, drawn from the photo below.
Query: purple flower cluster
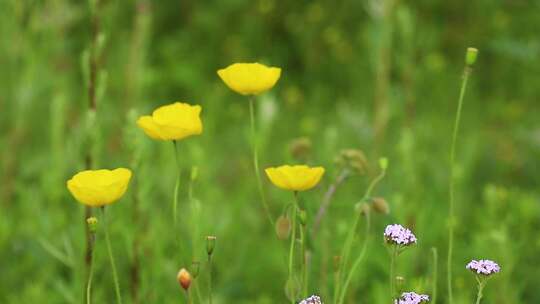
(312, 300)
(397, 234)
(484, 267)
(411, 298)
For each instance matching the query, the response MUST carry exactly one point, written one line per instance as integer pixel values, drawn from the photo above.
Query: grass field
(382, 78)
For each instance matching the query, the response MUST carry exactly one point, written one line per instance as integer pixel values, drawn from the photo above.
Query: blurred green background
(381, 76)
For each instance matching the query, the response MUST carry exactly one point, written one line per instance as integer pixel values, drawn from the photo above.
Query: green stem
(452, 219)
(111, 257)
(358, 260)
(177, 183)
(392, 272)
(347, 247)
(90, 269)
(291, 248)
(256, 160)
(188, 297)
(198, 291)
(480, 294)
(210, 279)
(434, 276)
(303, 250)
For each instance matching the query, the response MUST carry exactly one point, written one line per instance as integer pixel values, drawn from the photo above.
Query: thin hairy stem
(479, 295)
(327, 199)
(90, 270)
(176, 184)
(392, 272)
(210, 279)
(111, 257)
(291, 248)
(256, 161)
(451, 211)
(358, 260)
(434, 276)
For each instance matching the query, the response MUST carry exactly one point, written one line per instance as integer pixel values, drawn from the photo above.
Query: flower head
(184, 278)
(172, 122)
(295, 178)
(483, 267)
(249, 78)
(312, 300)
(399, 235)
(97, 188)
(411, 298)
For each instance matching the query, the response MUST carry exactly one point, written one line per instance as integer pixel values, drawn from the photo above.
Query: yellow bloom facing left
(172, 122)
(98, 188)
(249, 78)
(295, 178)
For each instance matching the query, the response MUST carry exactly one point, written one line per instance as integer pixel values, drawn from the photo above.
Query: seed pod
(380, 205)
(283, 227)
(184, 278)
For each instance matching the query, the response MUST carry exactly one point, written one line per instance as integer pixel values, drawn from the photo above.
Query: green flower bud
(195, 268)
(471, 55)
(283, 227)
(303, 217)
(380, 205)
(383, 163)
(210, 244)
(92, 224)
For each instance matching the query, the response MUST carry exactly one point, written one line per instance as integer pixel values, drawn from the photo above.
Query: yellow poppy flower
(295, 178)
(97, 188)
(172, 122)
(249, 78)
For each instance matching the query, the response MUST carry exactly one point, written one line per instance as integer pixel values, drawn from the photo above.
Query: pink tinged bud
(184, 278)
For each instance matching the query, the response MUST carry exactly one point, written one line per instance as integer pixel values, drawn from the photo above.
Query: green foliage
(383, 78)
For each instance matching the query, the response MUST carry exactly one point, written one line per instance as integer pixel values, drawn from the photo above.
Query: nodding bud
(383, 163)
(194, 173)
(300, 148)
(380, 205)
(210, 244)
(363, 208)
(92, 224)
(353, 159)
(184, 278)
(195, 268)
(283, 227)
(471, 55)
(303, 217)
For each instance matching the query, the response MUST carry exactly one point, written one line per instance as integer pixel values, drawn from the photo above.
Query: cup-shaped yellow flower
(295, 178)
(172, 122)
(98, 188)
(249, 78)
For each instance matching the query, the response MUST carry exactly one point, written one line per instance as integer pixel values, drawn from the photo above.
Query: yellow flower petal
(295, 178)
(172, 122)
(249, 78)
(97, 188)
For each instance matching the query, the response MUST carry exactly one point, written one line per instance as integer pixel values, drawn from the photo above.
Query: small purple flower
(483, 267)
(399, 235)
(412, 298)
(312, 300)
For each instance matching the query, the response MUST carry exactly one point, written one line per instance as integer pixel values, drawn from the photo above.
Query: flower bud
(383, 163)
(92, 224)
(353, 159)
(184, 278)
(283, 227)
(471, 55)
(195, 268)
(380, 205)
(300, 148)
(210, 244)
(302, 216)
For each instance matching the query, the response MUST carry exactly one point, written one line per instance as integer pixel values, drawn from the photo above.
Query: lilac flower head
(483, 267)
(412, 298)
(399, 235)
(312, 300)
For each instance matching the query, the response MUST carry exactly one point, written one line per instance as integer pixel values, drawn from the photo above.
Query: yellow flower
(249, 78)
(295, 178)
(97, 188)
(172, 122)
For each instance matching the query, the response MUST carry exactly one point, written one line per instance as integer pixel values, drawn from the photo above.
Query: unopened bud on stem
(210, 244)
(92, 224)
(184, 278)
(195, 268)
(471, 55)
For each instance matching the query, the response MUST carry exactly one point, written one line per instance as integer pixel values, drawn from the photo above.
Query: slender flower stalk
(470, 59)
(176, 185)
(210, 246)
(434, 275)
(347, 246)
(91, 225)
(256, 160)
(393, 257)
(302, 245)
(291, 247)
(479, 295)
(111, 257)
